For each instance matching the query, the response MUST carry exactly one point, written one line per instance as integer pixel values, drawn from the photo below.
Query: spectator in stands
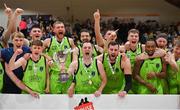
(23, 26)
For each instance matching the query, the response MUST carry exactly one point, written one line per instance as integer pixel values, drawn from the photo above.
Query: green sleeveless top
(132, 54)
(1, 76)
(173, 79)
(1, 71)
(55, 47)
(87, 78)
(35, 75)
(151, 65)
(115, 75)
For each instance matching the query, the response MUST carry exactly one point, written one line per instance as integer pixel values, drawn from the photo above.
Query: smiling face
(36, 33)
(85, 37)
(161, 43)
(150, 47)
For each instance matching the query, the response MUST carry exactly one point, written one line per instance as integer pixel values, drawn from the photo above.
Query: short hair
(151, 39)
(133, 31)
(113, 43)
(84, 30)
(35, 26)
(87, 42)
(161, 35)
(57, 22)
(17, 34)
(37, 43)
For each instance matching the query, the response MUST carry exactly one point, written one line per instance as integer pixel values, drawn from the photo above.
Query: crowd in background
(112, 65)
(148, 28)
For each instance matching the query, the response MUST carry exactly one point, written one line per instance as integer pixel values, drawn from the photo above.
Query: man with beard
(161, 41)
(118, 71)
(36, 76)
(55, 48)
(149, 72)
(88, 72)
(173, 69)
(85, 37)
(6, 54)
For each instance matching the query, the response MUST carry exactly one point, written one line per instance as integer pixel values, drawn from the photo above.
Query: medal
(111, 67)
(90, 82)
(35, 69)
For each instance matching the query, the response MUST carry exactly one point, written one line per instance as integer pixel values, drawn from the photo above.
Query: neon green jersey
(173, 79)
(87, 78)
(151, 65)
(114, 74)
(35, 75)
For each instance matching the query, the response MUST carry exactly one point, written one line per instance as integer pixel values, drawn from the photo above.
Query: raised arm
(11, 25)
(20, 62)
(170, 59)
(99, 38)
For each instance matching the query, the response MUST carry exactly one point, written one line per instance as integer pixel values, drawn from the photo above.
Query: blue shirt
(8, 85)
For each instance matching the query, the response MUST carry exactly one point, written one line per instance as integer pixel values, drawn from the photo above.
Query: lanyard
(111, 67)
(87, 72)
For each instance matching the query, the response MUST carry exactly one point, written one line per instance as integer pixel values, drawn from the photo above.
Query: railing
(104, 102)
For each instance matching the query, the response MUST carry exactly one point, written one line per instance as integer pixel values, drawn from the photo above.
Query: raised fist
(18, 11)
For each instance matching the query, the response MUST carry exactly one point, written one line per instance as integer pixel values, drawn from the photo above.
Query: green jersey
(57, 85)
(56, 47)
(132, 55)
(35, 75)
(1, 72)
(1, 76)
(87, 78)
(151, 65)
(115, 75)
(173, 79)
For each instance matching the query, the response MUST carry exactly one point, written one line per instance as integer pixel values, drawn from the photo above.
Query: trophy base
(63, 77)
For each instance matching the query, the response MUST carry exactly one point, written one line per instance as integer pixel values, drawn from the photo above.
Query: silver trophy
(60, 58)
